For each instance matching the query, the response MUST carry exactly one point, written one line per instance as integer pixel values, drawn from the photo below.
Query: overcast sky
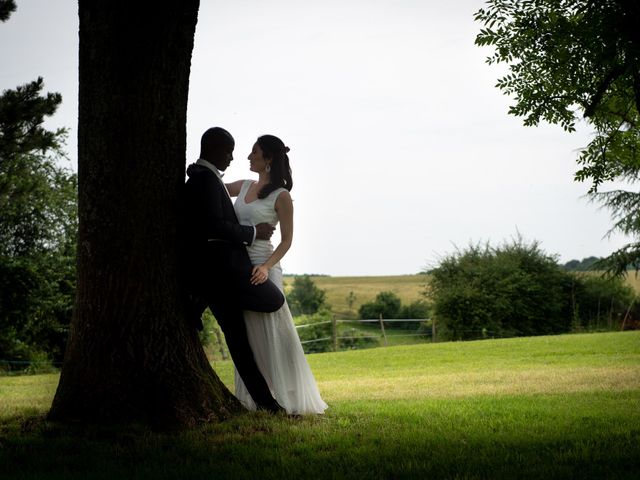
(401, 146)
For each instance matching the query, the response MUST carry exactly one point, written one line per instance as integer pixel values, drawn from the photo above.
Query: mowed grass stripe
(493, 383)
(533, 365)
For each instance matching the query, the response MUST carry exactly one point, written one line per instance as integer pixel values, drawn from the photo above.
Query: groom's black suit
(216, 271)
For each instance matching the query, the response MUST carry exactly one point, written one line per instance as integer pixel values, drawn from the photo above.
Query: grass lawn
(545, 407)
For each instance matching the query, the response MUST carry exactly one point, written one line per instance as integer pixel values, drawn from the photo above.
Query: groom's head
(216, 146)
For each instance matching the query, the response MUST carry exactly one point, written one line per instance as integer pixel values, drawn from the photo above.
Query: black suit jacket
(213, 243)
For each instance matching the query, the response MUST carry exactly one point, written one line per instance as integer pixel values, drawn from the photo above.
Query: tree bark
(131, 356)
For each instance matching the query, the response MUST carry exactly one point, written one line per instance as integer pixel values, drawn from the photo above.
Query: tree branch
(615, 72)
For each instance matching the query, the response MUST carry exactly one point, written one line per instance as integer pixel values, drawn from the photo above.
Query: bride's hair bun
(286, 149)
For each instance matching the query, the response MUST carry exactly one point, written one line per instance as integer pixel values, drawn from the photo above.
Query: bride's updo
(280, 174)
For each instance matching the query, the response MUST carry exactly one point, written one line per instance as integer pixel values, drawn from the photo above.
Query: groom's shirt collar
(210, 166)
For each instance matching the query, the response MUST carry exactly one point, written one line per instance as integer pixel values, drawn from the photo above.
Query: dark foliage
(389, 306)
(38, 223)
(305, 298)
(385, 305)
(600, 303)
(518, 290)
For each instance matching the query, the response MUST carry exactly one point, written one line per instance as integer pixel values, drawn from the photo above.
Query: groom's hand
(264, 231)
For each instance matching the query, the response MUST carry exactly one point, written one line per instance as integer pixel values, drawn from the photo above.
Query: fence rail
(335, 337)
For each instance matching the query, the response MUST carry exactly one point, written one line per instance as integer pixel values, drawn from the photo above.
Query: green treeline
(38, 225)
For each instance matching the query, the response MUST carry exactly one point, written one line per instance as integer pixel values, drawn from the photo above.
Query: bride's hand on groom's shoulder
(264, 231)
(260, 274)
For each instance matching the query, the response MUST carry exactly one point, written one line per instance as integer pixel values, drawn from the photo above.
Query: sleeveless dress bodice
(261, 210)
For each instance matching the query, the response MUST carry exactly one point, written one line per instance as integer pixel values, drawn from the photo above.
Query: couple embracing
(231, 266)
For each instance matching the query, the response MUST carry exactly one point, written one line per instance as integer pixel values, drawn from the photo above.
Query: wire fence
(20, 367)
(384, 336)
(428, 331)
(334, 336)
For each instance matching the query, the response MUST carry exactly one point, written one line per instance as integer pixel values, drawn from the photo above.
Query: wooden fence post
(624, 320)
(433, 330)
(384, 335)
(334, 333)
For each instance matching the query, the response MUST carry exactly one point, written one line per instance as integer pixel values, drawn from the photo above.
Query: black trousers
(227, 304)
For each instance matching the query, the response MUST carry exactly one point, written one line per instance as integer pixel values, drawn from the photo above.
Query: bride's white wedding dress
(272, 336)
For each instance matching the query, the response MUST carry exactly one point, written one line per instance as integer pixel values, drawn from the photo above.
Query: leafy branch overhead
(572, 61)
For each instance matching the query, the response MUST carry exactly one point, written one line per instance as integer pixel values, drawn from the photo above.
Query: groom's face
(228, 158)
(224, 158)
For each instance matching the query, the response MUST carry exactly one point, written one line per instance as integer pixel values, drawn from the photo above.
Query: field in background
(634, 281)
(564, 406)
(408, 287)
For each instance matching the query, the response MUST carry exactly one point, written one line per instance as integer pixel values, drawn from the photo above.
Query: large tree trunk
(131, 355)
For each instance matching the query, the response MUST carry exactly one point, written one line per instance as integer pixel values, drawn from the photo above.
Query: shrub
(389, 306)
(36, 301)
(512, 290)
(419, 309)
(386, 304)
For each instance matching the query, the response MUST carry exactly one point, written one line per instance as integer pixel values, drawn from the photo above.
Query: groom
(216, 265)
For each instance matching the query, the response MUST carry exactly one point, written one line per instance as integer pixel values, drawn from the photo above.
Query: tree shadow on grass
(355, 442)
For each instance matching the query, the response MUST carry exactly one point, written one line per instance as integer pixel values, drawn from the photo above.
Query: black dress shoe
(274, 408)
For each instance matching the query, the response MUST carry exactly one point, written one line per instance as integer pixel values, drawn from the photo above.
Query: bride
(273, 337)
